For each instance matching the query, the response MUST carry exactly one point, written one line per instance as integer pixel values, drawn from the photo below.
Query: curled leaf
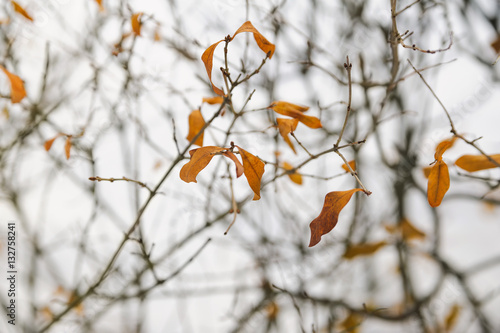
(328, 218)
(17, 92)
(67, 147)
(199, 160)
(365, 249)
(295, 111)
(253, 169)
(294, 176)
(208, 58)
(442, 147)
(438, 183)
(262, 42)
(135, 21)
(473, 163)
(20, 10)
(237, 163)
(213, 100)
(196, 123)
(285, 127)
(352, 164)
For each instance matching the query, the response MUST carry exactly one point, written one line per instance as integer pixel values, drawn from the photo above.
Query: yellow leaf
(473, 163)
(352, 164)
(285, 127)
(213, 100)
(295, 176)
(364, 249)
(239, 167)
(5, 112)
(20, 10)
(135, 21)
(199, 160)
(442, 147)
(262, 42)
(438, 183)
(409, 231)
(327, 219)
(451, 317)
(295, 111)
(272, 311)
(253, 170)
(196, 123)
(208, 58)
(67, 147)
(17, 92)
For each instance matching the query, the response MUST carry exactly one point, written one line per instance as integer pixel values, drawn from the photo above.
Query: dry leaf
(199, 160)
(427, 171)
(79, 308)
(157, 36)
(364, 249)
(351, 323)
(327, 219)
(473, 163)
(48, 143)
(67, 147)
(208, 58)
(239, 166)
(213, 100)
(101, 7)
(451, 317)
(196, 123)
(46, 313)
(407, 230)
(438, 184)
(295, 111)
(5, 112)
(135, 20)
(352, 164)
(20, 10)
(262, 42)
(442, 147)
(17, 92)
(253, 169)
(272, 311)
(496, 45)
(295, 176)
(285, 127)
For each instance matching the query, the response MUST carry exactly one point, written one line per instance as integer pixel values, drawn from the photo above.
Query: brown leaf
(135, 21)
(213, 100)
(352, 164)
(17, 92)
(351, 323)
(327, 219)
(295, 176)
(199, 160)
(438, 184)
(442, 147)
(20, 10)
(196, 123)
(67, 147)
(407, 230)
(239, 166)
(253, 169)
(364, 249)
(262, 42)
(496, 45)
(295, 111)
(285, 127)
(208, 58)
(451, 317)
(473, 163)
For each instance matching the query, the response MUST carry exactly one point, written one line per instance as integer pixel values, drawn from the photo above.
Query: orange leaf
(473, 163)
(442, 147)
(101, 7)
(20, 10)
(364, 249)
(239, 166)
(253, 168)
(208, 58)
(295, 176)
(286, 126)
(213, 100)
(352, 164)
(48, 143)
(438, 184)
(407, 229)
(67, 147)
(17, 92)
(295, 111)
(351, 323)
(135, 20)
(327, 219)
(263, 43)
(427, 171)
(199, 160)
(196, 123)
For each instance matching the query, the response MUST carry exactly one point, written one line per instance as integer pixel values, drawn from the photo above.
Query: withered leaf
(442, 147)
(351, 323)
(67, 147)
(452, 317)
(327, 219)
(285, 127)
(17, 92)
(99, 3)
(364, 249)
(473, 163)
(48, 143)
(20, 10)
(352, 164)
(262, 42)
(208, 58)
(135, 21)
(196, 123)
(427, 171)
(213, 100)
(239, 166)
(199, 160)
(294, 176)
(407, 230)
(496, 45)
(253, 169)
(295, 111)
(438, 183)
